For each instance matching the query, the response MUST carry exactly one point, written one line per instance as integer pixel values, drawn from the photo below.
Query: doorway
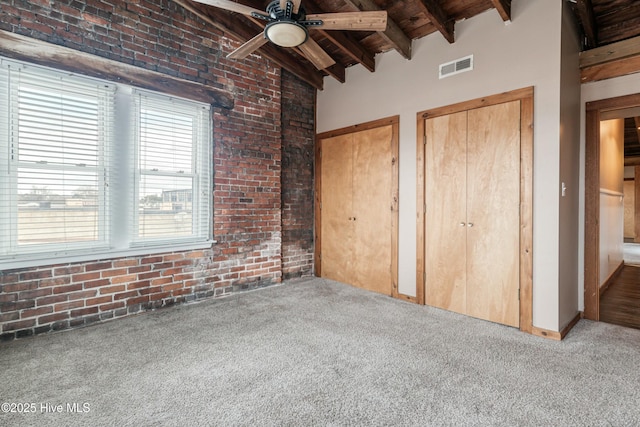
(598, 114)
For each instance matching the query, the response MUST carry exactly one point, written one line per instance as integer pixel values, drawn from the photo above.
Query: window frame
(120, 212)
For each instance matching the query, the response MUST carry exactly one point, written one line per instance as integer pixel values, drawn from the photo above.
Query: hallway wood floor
(620, 303)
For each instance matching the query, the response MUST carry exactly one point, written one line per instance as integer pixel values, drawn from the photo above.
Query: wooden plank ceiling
(604, 23)
(407, 20)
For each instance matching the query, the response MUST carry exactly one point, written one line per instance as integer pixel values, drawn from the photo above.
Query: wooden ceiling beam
(611, 52)
(240, 31)
(439, 19)
(392, 35)
(338, 72)
(613, 60)
(352, 48)
(345, 42)
(25, 48)
(587, 17)
(504, 9)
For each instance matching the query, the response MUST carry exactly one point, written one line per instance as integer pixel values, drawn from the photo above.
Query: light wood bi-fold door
(357, 215)
(472, 215)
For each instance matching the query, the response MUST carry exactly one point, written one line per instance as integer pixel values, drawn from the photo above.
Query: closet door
(371, 219)
(493, 213)
(337, 208)
(445, 218)
(357, 210)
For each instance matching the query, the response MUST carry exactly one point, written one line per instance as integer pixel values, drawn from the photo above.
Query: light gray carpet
(315, 352)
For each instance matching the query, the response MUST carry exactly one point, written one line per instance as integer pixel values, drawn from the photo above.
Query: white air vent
(456, 67)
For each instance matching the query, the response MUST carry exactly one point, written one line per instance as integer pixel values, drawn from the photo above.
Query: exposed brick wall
(263, 214)
(298, 130)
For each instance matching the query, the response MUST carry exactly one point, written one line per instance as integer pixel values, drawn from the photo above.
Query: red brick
(139, 269)
(172, 287)
(33, 275)
(7, 317)
(112, 289)
(85, 276)
(64, 306)
(50, 318)
(82, 294)
(34, 312)
(138, 300)
(62, 271)
(98, 266)
(26, 295)
(150, 290)
(97, 283)
(138, 285)
(15, 326)
(151, 260)
(51, 300)
(125, 295)
(159, 296)
(98, 300)
(112, 306)
(125, 263)
(9, 278)
(161, 281)
(124, 279)
(172, 257)
(55, 281)
(68, 288)
(149, 275)
(20, 286)
(116, 272)
(8, 297)
(84, 311)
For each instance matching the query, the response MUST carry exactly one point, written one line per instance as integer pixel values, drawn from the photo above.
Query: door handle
(470, 224)
(462, 224)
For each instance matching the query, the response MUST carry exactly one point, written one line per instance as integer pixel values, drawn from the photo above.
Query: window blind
(59, 129)
(173, 174)
(73, 185)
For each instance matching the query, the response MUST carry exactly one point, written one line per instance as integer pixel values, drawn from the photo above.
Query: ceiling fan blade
(358, 21)
(231, 6)
(316, 55)
(249, 47)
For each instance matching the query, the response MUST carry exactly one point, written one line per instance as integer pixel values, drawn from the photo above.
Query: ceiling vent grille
(456, 67)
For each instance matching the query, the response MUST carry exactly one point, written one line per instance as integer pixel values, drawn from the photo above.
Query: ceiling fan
(287, 25)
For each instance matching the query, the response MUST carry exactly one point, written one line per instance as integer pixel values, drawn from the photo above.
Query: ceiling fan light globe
(286, 33)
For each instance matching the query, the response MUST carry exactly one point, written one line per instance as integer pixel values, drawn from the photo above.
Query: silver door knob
(462, 224)
(470, 224)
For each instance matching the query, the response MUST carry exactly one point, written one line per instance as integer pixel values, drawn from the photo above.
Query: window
(89, 167)
(170, 164)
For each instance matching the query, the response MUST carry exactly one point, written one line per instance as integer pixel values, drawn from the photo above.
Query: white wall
(611, 234)
(569, 169)
(507, 57)
(611, 197)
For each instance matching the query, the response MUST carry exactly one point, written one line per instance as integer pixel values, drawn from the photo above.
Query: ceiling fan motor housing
(277, 13)
(283, 28)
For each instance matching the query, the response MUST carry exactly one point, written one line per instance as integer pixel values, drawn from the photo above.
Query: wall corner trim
(557, 336)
